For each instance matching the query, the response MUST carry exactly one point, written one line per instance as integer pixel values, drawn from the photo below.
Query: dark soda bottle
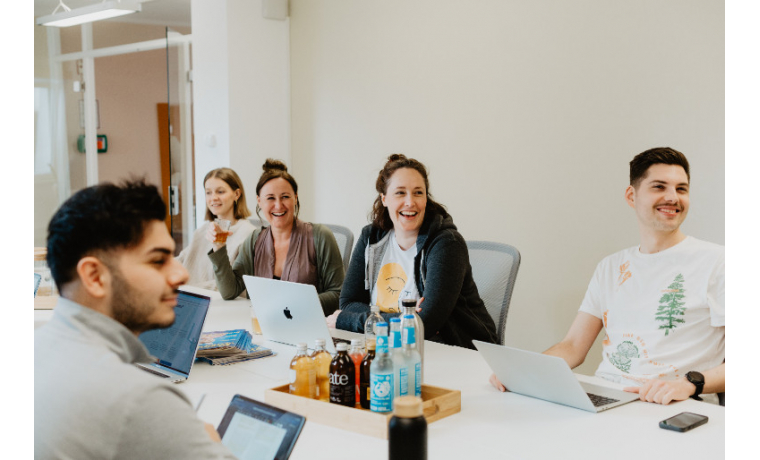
(343, 378)
(364, 388)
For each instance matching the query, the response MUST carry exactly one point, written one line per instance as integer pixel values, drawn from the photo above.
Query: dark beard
(129, 309)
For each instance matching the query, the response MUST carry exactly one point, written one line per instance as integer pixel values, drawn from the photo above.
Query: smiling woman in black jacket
(413, 249)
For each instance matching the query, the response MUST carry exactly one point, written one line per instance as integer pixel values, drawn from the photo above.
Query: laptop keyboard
(600, 400)
(147, 369)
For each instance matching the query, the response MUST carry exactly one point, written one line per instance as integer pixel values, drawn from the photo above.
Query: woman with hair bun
(225, 199)
(288, 249)
(413, 249)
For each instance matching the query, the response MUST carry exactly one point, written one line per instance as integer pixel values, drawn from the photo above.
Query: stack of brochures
(229, 347)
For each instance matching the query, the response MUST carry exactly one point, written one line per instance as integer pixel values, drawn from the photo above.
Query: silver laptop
(548, 378)
(288, 312)
(175, 346)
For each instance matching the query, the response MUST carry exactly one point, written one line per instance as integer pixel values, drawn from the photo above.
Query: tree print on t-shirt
(621, 359)
(390, 282)
(672, 307)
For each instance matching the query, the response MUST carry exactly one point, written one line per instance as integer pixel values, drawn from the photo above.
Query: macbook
(288, 312)
(548, 378)
(175, 346)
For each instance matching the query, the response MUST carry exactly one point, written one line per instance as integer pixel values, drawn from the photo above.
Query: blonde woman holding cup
(225, 204)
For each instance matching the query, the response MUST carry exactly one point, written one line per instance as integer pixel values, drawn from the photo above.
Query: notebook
(175, 346)
(288, 312)
(548, 378)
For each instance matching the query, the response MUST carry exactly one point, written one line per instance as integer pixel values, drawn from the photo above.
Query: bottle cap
(357, 342)
(301, 346)
(408, 316)
(319, 342)
(407, 406)
(409, 302)
(342, 346)
(374, 308)
(396, 320)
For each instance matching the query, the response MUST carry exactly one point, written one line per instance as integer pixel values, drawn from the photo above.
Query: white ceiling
(158, 12)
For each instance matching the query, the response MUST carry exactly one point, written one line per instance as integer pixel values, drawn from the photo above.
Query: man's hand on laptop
(663, 391)
(332, 320)
(495, 382)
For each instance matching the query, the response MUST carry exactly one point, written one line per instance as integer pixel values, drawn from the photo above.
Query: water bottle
(409, 307)
(369, 326)
(407, 430)
(400, 368)
(381, 374)
(413, 360)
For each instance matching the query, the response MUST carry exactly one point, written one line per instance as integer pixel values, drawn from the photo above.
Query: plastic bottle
(413, 360)
(409, 307)
(369, 326)
(381, 374)
(364, 377)
(400, 367)
(343, 378)
(356, 353)
(407, 430)
(322, 359)
(303, 374)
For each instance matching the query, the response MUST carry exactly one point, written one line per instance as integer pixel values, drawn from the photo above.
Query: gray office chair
(494, 269)
(345, 239)
(255, 221)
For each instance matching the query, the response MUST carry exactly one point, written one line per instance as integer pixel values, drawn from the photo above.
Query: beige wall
(526, 114)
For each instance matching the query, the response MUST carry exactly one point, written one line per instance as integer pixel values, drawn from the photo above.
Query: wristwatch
(699, 381)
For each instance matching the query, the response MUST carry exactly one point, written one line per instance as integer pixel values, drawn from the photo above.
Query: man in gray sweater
(112, 260)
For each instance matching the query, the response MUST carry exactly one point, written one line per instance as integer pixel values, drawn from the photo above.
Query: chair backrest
(345, 239)
(494, 269)
(343, 236)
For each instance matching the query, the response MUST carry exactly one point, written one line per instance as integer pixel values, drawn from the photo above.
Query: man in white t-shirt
(661, 303)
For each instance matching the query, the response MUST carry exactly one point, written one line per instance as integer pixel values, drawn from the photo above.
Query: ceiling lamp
(106, 10)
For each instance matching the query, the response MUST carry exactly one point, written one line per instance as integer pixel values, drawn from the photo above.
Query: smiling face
(220, 198)
(145, 281)
(277, 201)
(661, 198)
(406, 200)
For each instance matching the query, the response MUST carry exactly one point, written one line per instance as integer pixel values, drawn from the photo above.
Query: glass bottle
(413, 359)
(400, 368)
(370, 324)
(303, 374)
(409, 307)
(343, 378)
(322, 359)
(407, 430)
(364, 376)
(356, 353)
(381, 374)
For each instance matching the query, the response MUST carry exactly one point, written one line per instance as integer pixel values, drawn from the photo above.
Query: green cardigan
(330, 272)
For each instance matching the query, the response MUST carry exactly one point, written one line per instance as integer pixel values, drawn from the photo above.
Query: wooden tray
(437, 403)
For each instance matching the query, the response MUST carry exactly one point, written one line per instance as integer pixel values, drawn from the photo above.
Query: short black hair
(658, 155)
(103, 217)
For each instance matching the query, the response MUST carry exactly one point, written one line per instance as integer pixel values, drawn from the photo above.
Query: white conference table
(490, 425)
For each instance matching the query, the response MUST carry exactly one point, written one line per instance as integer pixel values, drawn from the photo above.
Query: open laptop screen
(175, 346)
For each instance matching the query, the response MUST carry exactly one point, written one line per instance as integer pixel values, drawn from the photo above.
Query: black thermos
(407, 430)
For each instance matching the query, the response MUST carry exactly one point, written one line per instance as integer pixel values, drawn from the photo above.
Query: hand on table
(495, 382)
(663, 391)
(332, 320)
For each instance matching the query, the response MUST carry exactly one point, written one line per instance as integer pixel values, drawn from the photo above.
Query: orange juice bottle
(303, 374)
(322, 359)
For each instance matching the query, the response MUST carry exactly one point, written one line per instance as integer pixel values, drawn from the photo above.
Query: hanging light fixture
(106, 10)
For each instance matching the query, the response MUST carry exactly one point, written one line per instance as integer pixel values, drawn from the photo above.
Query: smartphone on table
(684, 421)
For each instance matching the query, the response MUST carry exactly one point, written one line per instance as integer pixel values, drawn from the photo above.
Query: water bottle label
(417, 379)
(409, 337)
(395, 339)
(381, 399)
(382, 344)
(403, 381)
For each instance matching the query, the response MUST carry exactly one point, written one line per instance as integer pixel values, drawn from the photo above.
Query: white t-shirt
(663, 313)
(395, 280)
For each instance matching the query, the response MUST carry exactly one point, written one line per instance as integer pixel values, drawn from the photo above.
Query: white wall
(241, 90)
(526, 114)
